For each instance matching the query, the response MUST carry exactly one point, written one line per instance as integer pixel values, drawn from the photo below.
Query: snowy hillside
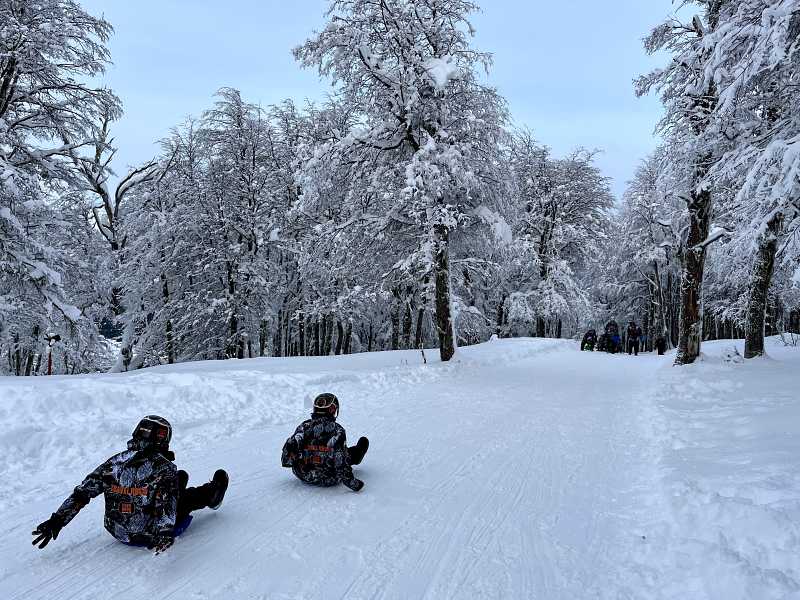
(524, 469)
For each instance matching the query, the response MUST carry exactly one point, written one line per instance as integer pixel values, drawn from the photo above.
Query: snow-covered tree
(642, 280)
(422, 157)
(732, 104)
(690, 97)
(206, 262)
(48, 52)
(755, 65)
(562, 224)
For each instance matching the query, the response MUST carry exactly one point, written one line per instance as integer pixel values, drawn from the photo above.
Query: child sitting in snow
(317, 452)
(147, 501)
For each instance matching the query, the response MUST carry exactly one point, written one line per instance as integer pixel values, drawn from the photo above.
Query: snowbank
(52, 424)
(727, 523)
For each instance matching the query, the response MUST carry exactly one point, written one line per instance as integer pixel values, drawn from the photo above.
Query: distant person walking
(610, 340)
(633, 334)
(661, 345)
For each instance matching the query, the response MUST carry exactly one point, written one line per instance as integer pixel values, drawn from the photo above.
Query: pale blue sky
(565, 67)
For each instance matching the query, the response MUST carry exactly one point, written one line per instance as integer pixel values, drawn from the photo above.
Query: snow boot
(183, 480)
(220, 486)
(358, 451)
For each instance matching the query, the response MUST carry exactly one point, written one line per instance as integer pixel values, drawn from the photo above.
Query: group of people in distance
(611, 341)
(148, 500)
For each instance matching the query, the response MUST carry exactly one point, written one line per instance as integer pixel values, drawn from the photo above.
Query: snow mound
(54, 423)
(729, 430)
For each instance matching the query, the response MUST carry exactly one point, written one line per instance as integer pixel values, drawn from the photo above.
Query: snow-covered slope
(523, 470)
(728, 465)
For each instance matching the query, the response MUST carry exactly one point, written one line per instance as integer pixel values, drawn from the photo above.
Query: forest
(405, 211)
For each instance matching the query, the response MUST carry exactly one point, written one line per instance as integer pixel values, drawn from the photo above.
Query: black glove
(356, 485)
(160, 543)
(47, 531)
(289, 454)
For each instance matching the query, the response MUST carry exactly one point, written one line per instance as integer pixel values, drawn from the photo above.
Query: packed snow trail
(514, 472)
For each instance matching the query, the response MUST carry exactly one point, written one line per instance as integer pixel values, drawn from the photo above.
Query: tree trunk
(444, 316)
(698, 203)
(419, 340)
(675, 316)
(691, 321)
(328, 338)
(301, 332)
(662, 304)
(395, 319)
(17, 356)
(262, 338)
(29, 363)
(500, 316)
(232, 347)
(348, 337)
(339, 337)
(649, 319)
(32, 354)
(287, 336)
(408, 320)
(763, 268)
(277, 343)
(170, 344)
(541, 327)
(419, 331)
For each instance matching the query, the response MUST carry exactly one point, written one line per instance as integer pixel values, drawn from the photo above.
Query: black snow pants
(633, 346)
(191, 499)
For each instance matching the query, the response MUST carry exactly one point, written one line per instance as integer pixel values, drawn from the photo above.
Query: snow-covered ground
(525, 469)
(729, 471)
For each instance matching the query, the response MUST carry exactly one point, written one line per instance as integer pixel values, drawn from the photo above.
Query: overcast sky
(565, 67)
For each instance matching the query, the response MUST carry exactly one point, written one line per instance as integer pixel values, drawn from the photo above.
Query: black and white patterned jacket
(140, 486)
(317, 453)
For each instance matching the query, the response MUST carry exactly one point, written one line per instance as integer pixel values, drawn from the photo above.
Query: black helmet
(154, 430)
(326, 405)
